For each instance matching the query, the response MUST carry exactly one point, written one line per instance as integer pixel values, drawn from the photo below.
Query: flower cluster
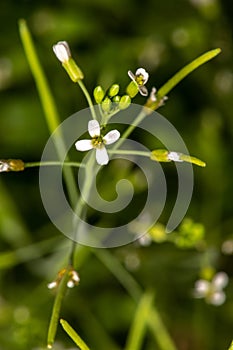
(73, 279)
(212, 291)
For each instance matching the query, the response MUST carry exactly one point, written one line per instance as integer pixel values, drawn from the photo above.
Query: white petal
(62, 51)
(217, 298)
(131, 75)
(93, 128)
(75, 276)
(83, 145)
(143, 72)
(220, 280)
(111, 137)
(102, 156)
(143, 90)
(201, 288)
(174, 156)
(70, 284)
(52, 285)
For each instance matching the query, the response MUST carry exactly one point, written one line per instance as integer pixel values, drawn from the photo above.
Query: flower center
(140, 80)
(97, 141)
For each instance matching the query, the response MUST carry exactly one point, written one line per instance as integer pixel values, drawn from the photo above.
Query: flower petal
(220, 280)
(83, 145)
(201, 288)
(62, 51)
(131, 75)
(111, 137)
(93, 128)
(102, 156)
(143, 72)
(217, 298)
(143, 90)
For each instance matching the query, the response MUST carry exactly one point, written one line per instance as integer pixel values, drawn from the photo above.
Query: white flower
(98, 141)
(212, 291)
(140, 77)
(153, 94)
(62, 51)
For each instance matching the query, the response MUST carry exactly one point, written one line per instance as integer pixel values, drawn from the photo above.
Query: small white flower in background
(98, 142)
(212, 291)
(74, 279)
(140, 77)
(62, 51)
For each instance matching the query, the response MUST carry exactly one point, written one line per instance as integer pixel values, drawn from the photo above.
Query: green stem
(231, 346)
(53, 163)
(47, 102)
(56, 310)
(88, 98)
(141, 318)
(73, 335)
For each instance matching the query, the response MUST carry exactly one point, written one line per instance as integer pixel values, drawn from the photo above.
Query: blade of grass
(138, 328)
(48, 104)
(231, 346)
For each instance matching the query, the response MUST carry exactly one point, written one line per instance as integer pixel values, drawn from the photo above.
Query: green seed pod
(113, 91)
(98, 94)
(106, 104)
(132, 89)
(124, 102)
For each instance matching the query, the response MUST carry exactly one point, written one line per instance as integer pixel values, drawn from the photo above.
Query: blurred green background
(108, 38)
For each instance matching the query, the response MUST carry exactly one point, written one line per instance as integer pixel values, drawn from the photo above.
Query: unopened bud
(114, 89)
(11, 165)
(98, 94)
(124, 102)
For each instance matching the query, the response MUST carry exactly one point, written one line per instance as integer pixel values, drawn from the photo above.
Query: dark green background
(108, 38)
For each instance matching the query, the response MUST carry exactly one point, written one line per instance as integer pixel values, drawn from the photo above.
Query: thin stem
(129, 151)
(88, 98)
(141, 318)
(54, 163)
(56, 310)
(47, 102)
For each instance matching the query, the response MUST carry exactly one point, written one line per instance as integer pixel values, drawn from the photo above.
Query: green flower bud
(124, 102)
(116, 99)
(106, 104)
(73, 70)
(98, 94)
(132, 89)
(113, 91)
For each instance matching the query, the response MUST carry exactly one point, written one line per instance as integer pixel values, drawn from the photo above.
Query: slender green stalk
(189, 68)
(56, 310)
(231, 346)
(73, 335)
(141, 318)
(53, 163)
(88, 98)
(47, 102)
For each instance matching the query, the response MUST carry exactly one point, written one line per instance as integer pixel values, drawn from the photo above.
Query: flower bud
(98, 94)
(132, 89)
(73, 70)
(113, 91)
(124, 102)
(106, 104)
(62, 51)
